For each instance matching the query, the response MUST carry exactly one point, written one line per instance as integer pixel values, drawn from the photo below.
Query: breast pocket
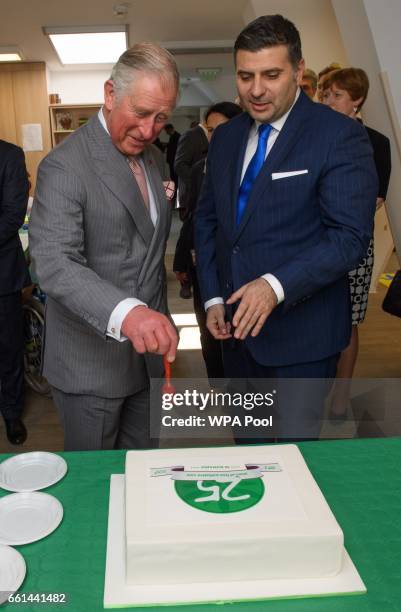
(290, 188)
(288, 174)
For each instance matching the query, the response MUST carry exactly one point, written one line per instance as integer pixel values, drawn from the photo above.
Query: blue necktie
(252, 170)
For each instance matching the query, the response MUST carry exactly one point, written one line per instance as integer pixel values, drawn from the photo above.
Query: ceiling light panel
(10, 54)
(9, 57)
(88, 47)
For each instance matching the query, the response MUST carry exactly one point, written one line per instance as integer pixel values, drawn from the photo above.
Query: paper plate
(27, 517)
(31, 471)
(12, 571)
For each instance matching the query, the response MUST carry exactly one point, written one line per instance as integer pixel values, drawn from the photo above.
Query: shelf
(74, 115)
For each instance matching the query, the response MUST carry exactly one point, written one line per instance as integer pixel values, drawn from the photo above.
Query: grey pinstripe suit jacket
(93, 244)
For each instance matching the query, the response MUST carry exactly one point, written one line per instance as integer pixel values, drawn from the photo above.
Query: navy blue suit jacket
(308, 230)
(14, 188)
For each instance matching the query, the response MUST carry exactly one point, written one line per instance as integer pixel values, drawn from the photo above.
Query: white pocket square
(280, 175)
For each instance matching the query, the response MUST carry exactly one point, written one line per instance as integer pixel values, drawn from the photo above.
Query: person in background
(275, 235)
(322, 76)
(14, 276)
(346, 91)
(192, 146)
(159, 144)
(98, 230)
(309, 83)
(184, 264)
(171, 149)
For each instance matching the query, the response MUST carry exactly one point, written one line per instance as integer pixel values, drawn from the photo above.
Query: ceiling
(173, 23)
(164, 21)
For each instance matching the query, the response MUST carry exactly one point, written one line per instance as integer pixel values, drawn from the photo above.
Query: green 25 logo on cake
(218, 488)
(219, 496)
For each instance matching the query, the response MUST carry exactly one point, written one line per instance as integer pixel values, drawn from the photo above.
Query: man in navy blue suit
(14, 276)
(286, 210)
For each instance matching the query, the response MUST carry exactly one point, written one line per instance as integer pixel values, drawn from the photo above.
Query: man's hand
(215, 322)
(150, 332)
(257, 301)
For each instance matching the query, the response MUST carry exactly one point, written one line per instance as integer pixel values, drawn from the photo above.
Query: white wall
(194, 95)
(225, 88)
(317, 25)
(76, 87)
(385, 22)
(374, 44)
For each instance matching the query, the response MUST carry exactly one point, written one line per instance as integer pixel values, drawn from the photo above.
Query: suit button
(236, 250)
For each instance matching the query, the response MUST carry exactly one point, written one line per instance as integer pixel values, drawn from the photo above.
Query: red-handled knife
(167, 387)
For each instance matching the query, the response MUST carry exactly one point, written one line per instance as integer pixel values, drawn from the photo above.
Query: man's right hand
(216, 324)
(150, 332)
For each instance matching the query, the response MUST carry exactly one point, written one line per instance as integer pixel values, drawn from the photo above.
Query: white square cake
(225, 514)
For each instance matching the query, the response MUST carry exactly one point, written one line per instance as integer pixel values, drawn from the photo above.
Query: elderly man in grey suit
(98, 231)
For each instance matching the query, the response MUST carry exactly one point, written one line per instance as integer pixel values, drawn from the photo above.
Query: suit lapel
(112, 169)
(162, 206)
(240, 146)
(153, 175)
(289, 135)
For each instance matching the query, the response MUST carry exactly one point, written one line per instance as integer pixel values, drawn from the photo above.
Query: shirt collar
(279, 123)
(103, 120)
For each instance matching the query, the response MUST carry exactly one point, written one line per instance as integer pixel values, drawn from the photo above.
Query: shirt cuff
(213, 301)
(276, 286)
(118, 315)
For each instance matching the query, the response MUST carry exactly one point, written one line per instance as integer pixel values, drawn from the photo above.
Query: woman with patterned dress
(345, 91)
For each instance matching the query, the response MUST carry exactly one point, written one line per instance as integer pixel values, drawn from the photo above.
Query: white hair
(143, 57)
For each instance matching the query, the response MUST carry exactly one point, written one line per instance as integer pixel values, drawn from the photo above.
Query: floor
(379, 357)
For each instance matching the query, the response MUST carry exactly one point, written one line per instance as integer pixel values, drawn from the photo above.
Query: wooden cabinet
(66, 118)
(23, 100)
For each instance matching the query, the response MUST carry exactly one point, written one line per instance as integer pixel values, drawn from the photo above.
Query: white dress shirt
(122, 309)
(251, 147)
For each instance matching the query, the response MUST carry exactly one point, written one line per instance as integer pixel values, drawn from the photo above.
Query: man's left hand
(257, 301)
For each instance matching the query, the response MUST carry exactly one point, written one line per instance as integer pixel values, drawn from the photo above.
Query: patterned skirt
(359, 282)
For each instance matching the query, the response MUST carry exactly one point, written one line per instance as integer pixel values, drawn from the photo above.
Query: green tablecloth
(361, 480)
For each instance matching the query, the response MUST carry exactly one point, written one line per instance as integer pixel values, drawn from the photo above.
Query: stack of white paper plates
(31, 471)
